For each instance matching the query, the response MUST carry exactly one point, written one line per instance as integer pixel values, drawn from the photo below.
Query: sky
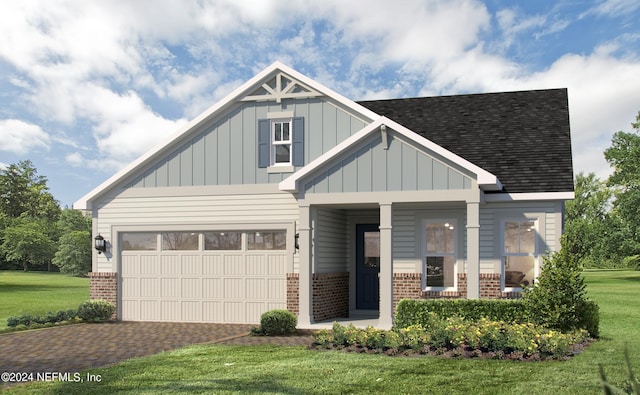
(88, 86)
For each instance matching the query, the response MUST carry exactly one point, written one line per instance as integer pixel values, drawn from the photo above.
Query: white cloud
(20, 137)
(108, 69)
(613, 8)
(604, 96)
(124, 126)
(75, 159)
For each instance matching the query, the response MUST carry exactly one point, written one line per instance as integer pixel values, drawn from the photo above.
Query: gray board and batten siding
(369, 167)
(225, 150)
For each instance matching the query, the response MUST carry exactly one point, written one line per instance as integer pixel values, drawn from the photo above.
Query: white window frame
(453, 222)
(503, 254)
(275, 143)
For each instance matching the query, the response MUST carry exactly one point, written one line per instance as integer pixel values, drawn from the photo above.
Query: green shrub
(414, 337)
(24, 320)
(558, 299)
(412, 312)
(278, 322)
(30, 321)
(590, 318)
(453, 333)
(96, 310)
(13, 321)
(632, 262)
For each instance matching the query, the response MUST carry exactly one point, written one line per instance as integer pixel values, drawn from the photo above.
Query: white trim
(282, 142)
(203, 190)
(280, 168)
(510, 197)
(486, 180)
(84, 203)
(280, 115)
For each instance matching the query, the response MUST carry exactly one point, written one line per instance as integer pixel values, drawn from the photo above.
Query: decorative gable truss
(281, 87)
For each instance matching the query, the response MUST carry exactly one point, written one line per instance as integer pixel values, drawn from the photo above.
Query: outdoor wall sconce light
(100, 244)
(296, 243)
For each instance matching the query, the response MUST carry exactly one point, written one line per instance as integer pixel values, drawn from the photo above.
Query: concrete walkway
(77, 347)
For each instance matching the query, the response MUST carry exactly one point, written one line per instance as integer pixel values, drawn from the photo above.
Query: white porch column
(473, 249)
(305, 317)
(385, 319)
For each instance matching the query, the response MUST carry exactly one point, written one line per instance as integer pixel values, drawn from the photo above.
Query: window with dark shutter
(280, 142)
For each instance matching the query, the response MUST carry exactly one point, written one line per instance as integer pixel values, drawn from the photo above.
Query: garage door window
(267, 240)
(142, 241)
(214, 241)
(182, 241)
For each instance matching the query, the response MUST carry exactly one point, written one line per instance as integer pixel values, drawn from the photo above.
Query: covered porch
(357, 260)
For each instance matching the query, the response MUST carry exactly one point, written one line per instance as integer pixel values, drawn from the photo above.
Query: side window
(519, 253)
(440, 257)
(281, 142)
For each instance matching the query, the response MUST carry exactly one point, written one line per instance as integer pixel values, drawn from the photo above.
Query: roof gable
(387, 161)
(485, 180)
(275, 83)
(521, 137)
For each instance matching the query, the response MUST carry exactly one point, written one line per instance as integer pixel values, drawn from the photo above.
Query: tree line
(35, 232)
(602, 223)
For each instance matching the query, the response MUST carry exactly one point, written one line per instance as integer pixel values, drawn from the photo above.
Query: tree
(28, 242)
(23, 191)
(586, 219)
(74, 253)
(558, 299)
(71, 220)
(74, 247)
(624, 157)
(26, 205)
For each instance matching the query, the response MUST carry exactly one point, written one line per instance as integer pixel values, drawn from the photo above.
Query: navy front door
(367, 266)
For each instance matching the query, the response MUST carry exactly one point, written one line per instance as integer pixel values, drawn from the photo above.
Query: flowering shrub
(497, 338)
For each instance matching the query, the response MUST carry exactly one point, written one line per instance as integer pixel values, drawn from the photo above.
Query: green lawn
(39, 292)
(295, 370)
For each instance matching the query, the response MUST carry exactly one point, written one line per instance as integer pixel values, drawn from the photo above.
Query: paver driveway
(76, 347)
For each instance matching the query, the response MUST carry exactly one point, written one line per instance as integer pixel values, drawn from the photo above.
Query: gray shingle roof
(521, 137)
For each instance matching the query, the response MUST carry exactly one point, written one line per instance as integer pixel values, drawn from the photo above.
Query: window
(440, 257)
(519, 253)
(281, 142)
(222, 241)
(267, 240)
(143, 241)
(183, 241)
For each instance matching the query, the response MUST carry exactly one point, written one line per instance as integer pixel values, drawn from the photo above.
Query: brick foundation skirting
(293, 293)
(330, 295)
(104, 286)
(406, 286)
(489, 289)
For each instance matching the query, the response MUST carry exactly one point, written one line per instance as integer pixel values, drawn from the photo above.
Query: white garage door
(207, 279)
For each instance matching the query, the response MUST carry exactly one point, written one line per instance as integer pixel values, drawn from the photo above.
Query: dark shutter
(298, 142)
(264, 142)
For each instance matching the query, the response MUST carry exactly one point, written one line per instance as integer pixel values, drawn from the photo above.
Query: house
(286, 194)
